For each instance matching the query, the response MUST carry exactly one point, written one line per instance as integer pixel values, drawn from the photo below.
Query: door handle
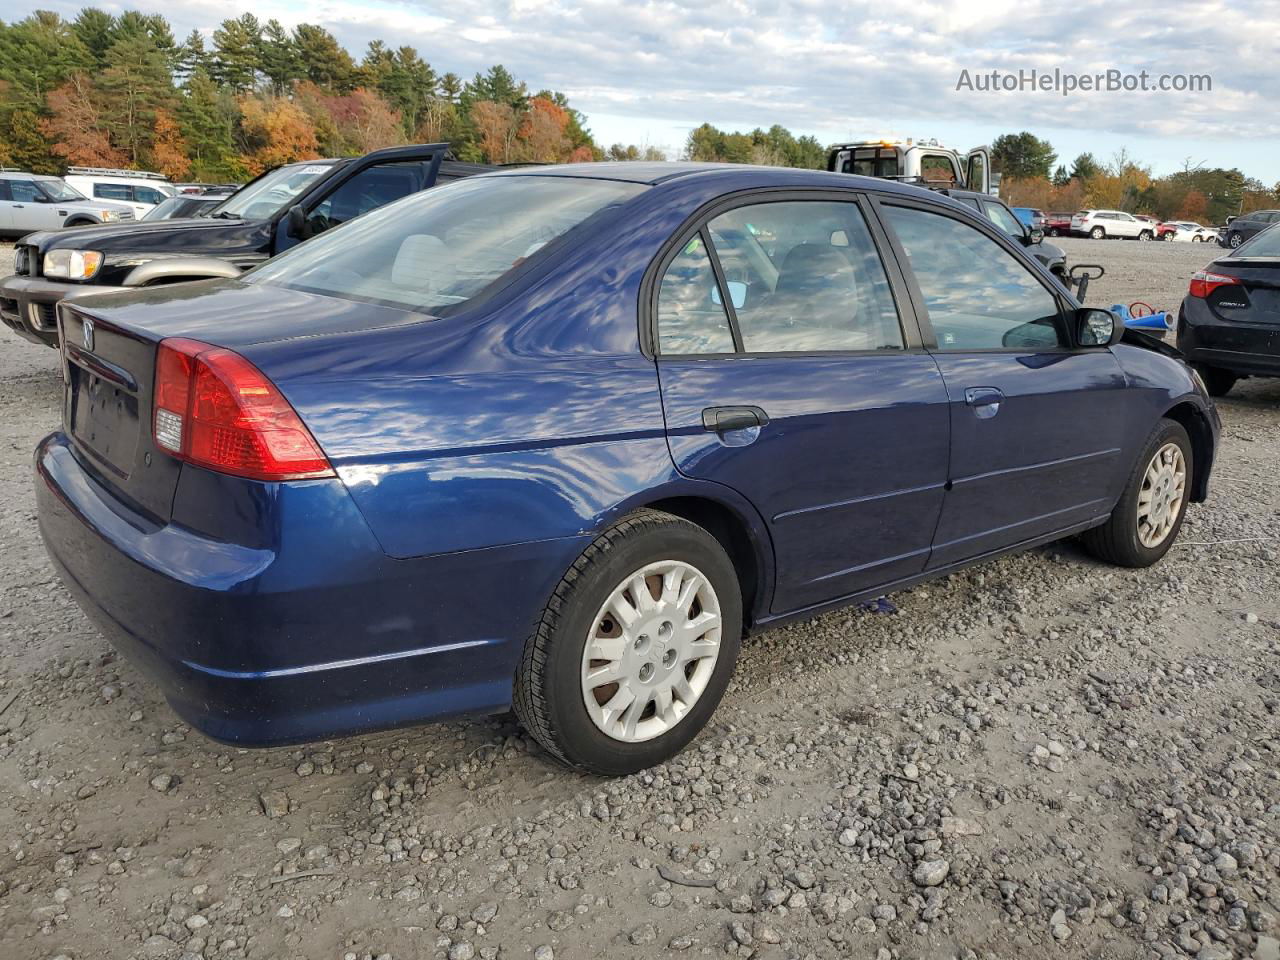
(720, 419)
(984, 400)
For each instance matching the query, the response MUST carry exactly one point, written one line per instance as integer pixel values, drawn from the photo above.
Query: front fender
(184, 268)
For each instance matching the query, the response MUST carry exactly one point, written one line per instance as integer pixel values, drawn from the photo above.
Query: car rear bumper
(259, 646)
(1243, 348)
(28, 305)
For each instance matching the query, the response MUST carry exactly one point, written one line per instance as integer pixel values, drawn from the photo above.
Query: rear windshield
(1265, 244)
(437, 249)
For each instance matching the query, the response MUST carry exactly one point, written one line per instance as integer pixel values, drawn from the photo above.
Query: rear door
(1036, 424)
(789, 374)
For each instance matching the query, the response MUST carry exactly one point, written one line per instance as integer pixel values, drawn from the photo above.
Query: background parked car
(1030, 216)
(279, 209)
(1188, 231)
(207, 189)
(30, 202)
(1057, 224)
(1247, 225)
(184, 205)
(1003, 216)
(1229, 321)
(1106, 224)
(140, 189)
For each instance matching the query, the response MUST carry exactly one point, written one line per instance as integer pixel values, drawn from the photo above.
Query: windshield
(440, 248)
(265, 196)
(57, 190)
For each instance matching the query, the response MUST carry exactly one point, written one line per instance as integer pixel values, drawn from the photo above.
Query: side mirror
(298, 225)
(1035, 235)
(1097, 328)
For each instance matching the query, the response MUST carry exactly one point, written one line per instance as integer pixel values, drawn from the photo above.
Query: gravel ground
(1038, 757)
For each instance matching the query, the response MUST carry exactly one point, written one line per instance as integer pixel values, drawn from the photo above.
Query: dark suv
(1001, 214)
(1246, 226)
(279, 209)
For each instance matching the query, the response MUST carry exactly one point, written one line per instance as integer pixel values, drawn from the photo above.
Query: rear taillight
(213, 408)
(1204, 283)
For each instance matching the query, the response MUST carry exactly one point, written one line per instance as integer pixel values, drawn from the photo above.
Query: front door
(1036, 424)
(788, 375)
(30, 208)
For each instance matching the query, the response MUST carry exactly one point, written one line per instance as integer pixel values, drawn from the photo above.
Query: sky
(648, 72)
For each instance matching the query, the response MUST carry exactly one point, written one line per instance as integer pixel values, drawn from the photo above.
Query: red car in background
(1057, 224)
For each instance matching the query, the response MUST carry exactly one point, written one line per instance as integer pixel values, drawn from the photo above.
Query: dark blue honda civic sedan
(556, 438)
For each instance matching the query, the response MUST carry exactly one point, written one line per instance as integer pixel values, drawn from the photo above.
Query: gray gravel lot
(1041, 757)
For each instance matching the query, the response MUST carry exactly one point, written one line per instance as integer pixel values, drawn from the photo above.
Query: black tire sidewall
(581, 740)
(1126, 512)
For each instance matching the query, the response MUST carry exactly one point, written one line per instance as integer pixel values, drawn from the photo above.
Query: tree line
(1033, 177)
(121, 91)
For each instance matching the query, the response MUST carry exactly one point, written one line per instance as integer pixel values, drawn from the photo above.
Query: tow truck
(924, 162)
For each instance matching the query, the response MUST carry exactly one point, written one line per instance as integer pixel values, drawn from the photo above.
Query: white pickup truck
(926, 162)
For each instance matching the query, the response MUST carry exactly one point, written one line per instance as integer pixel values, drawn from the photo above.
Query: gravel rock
(930, 873)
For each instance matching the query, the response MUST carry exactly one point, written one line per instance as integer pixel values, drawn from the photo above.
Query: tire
(1169, 237)
(1053, 232)
(1098, 233)
(1122, 540)
(1144, 236)
(80, 222)
(1234, 240)
(551, 686)
(1216, 380)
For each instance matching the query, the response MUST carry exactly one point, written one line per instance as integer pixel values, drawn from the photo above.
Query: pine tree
(278, 58)
(96, 30)
(206, 119)
(135, 84)
(235, 59)
(28, 149)
(324, 61)
(37, 54)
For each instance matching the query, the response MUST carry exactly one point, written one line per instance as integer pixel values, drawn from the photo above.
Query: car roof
(732, 174)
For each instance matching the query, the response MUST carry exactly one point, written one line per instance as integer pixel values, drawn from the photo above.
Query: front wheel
(1169, 237)
(1054, 232)
(1145, 522)
(1234, 240)
(1097, 233)
(635, 648)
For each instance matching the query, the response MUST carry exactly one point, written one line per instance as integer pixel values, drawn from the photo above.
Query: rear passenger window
(805, 276)
(979, 296)
(113, 191)
(691, 314)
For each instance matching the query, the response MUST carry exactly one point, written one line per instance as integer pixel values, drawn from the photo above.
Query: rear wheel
(1216, 380)
(635, 648)
(1053, 232)
(1146, 521)
(1097, 233)
(1144, 235)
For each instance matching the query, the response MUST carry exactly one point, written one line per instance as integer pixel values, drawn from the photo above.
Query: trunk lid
(108, 373)
(109, 344)
(1256, 299)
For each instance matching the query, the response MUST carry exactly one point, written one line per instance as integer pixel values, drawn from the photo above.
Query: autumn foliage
(119, 90)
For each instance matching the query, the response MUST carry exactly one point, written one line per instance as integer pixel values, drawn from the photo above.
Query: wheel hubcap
(1160, 498)
(652, 649)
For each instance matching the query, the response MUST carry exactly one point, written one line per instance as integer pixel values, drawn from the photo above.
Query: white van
(141, 189)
